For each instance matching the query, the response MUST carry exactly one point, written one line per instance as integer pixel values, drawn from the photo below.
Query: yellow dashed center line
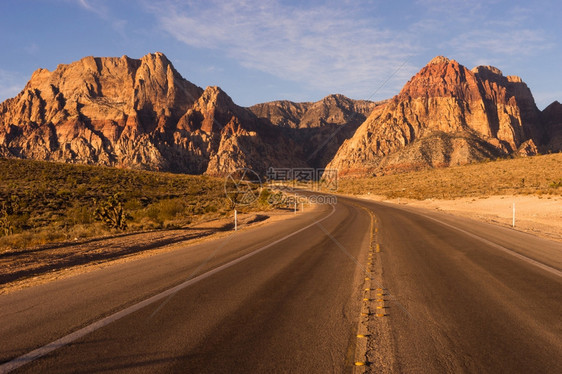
(374, 247)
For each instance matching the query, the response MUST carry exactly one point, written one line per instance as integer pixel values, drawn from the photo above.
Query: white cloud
(97, 8)
(100, 8)
(474, 31)
(332, 48)
(521, 42)
(512, 36)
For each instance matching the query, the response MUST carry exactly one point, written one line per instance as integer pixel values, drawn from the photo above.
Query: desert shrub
(164, 211)
(10, 216)
(133, 204)
(210, 208)
(81, 231)
(170, 209)
(263, 199)
(16, 241)
(57, 197)
(153, 213)
(111, 212)
(79, 215)
(529, 175)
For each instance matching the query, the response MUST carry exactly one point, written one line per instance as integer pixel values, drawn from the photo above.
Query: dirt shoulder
(538, 215)
(20, 269)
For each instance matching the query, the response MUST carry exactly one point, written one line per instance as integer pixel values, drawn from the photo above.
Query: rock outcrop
(319, 128)
(445, 115)
(138, 114)
(552, 120)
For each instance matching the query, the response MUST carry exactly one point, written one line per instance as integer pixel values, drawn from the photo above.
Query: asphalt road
(285, 297)
(463, 299)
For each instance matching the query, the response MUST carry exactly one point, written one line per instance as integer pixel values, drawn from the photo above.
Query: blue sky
(267, 50)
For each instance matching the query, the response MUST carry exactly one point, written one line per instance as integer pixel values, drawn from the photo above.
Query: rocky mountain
(449, 115)
(139, 114)
(318, 127)
(331, 110)
(552, 120)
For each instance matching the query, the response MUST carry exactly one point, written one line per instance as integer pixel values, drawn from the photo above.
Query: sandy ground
(539, 215)
(25, 268)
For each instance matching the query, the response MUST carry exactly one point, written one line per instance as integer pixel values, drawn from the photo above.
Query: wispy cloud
(332, 48)
(473, 31)
(100, 8)
(499, 43)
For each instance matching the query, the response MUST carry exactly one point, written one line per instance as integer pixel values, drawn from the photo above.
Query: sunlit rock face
(138, 114)
(446, 115)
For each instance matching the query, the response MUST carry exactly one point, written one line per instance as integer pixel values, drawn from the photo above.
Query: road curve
(285, 297)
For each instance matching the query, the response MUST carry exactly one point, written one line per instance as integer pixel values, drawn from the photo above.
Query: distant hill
(320, 127)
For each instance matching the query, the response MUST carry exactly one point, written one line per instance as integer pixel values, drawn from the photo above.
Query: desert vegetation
(45, 202)
(541, 175)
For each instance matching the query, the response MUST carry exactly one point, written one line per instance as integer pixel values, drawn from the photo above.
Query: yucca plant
(111, 213)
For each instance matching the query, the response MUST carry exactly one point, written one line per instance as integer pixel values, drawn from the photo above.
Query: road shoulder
(30, 268)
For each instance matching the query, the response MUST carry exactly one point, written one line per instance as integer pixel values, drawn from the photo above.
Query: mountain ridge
(141, 113)
(138, 114)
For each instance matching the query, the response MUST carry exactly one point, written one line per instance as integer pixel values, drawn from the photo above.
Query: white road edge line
(65, 340)
(501, 248)
(529, 260)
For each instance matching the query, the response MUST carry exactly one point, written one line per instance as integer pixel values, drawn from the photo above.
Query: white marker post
(302, 206)
(295, 204)
(235, 220)
(513, 220)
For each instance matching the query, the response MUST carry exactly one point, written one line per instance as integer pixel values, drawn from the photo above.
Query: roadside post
(513, 219)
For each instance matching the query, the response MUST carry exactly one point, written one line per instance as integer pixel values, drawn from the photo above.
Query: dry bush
(56, 201)
(526, 175)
